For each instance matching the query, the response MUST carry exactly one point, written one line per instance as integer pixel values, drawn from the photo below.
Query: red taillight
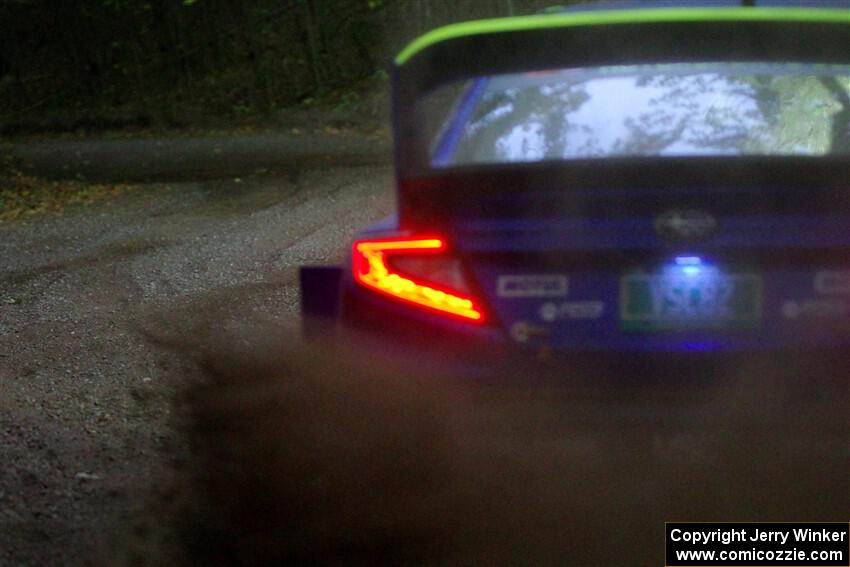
(371, 267)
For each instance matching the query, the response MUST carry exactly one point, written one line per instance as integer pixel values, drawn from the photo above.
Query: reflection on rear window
(669, 110)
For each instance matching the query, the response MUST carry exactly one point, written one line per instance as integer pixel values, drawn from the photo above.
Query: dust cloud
(334, 454)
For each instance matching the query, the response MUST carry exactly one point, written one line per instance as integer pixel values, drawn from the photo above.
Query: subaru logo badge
(685, 225)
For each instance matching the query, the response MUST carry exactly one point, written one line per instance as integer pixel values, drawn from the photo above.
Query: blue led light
(689, 265)
(699, 346)
(688, 261)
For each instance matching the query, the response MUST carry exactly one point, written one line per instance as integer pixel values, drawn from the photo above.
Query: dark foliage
(133, 63)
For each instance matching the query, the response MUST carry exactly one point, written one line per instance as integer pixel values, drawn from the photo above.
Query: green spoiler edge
(614, 17)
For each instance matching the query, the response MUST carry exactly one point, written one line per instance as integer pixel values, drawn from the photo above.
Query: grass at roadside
(23, 196)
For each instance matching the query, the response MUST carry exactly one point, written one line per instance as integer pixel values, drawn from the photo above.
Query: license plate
(677, 301)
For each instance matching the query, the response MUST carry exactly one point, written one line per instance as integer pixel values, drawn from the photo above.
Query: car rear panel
(591, 281)
(566, 257)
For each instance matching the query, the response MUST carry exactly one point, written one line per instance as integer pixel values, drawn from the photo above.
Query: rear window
(648, 110)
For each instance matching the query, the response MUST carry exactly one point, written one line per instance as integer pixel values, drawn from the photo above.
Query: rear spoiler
(624, 37)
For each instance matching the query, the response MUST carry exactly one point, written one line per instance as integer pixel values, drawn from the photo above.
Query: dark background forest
(107, 64)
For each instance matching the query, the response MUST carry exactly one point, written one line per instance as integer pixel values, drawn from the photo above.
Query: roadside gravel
(193, 158)
(85, 400)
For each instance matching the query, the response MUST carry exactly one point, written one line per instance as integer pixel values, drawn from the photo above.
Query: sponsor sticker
(522, 331)
(815, 309)
(532, 285)
(551, 311)
(833, 282)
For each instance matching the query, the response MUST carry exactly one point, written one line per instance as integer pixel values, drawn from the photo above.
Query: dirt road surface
(194, 158)
(85, 403)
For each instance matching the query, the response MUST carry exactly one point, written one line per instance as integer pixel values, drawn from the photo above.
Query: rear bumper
(486, 352)
(634, 393)
(334, 306)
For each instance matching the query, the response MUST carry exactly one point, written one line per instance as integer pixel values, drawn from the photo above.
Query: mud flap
(319, 299)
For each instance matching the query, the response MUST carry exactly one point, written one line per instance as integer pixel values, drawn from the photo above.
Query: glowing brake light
(372, 269)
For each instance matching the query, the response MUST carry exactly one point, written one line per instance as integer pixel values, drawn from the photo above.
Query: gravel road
(85, 401)
(193, 158)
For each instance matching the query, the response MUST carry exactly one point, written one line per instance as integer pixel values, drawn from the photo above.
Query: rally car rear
(633, 182)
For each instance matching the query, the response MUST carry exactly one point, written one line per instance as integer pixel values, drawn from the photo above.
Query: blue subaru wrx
(651, 180)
